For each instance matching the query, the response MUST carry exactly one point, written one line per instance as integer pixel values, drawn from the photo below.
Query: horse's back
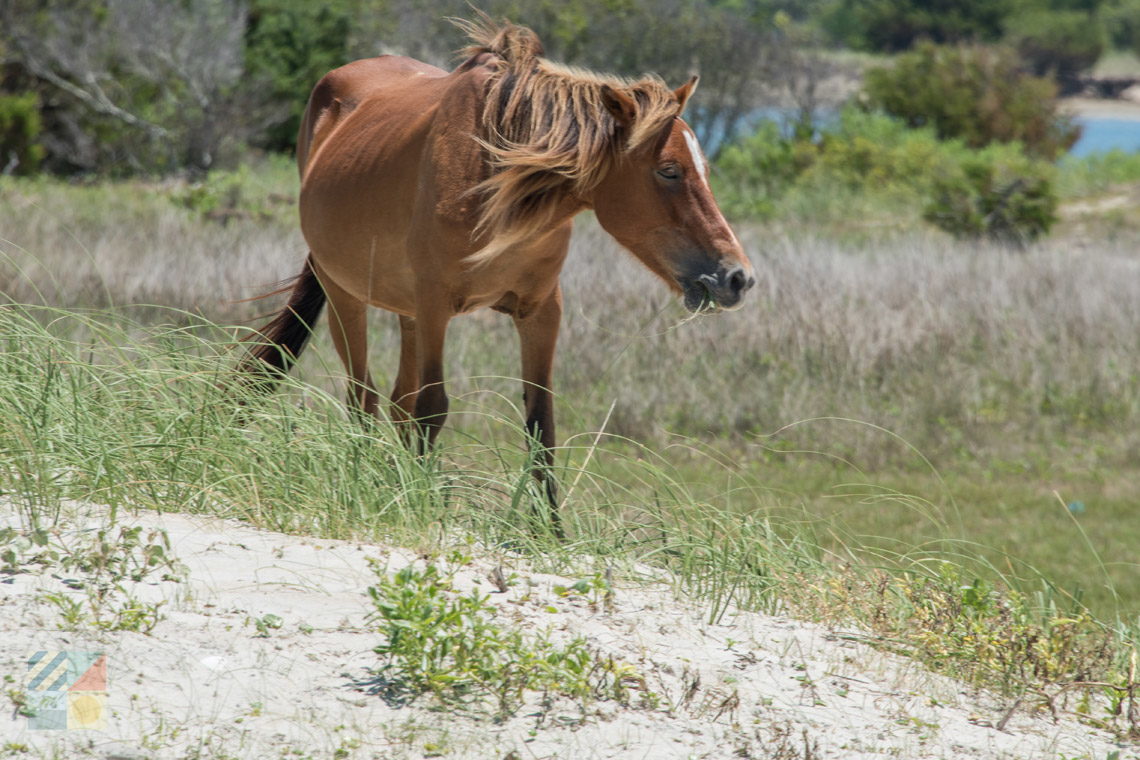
(377, 137)
(343, 89)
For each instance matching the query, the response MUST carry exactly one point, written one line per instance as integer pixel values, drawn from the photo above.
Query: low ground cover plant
(1040, 650)
(457, 648)
(99, 569)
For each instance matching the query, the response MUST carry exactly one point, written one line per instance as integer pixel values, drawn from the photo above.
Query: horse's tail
(284, 338)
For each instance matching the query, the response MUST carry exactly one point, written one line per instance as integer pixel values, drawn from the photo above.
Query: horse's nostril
(738, 282)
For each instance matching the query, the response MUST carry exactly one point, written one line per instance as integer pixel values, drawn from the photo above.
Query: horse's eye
(669, 171)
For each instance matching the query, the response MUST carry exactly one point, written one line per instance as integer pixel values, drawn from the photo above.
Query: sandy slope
(206, 685)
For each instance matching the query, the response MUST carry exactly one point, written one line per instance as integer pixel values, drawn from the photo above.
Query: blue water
(1098, 135)
(1101, 135)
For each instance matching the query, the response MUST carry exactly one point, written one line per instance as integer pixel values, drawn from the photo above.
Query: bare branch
(93, 97)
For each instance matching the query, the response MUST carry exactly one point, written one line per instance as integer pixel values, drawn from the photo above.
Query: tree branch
(96, 100)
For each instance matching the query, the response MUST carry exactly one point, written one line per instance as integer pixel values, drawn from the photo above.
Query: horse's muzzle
(724, 289)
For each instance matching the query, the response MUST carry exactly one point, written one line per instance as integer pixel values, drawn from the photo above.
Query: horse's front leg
(538, 334)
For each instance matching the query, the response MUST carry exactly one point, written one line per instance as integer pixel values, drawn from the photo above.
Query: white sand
(1101, 108)
(754, 686)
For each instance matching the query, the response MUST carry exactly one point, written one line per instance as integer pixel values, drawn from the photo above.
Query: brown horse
(432, 194)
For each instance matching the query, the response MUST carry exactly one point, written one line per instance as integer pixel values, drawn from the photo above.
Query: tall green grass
(95, 413)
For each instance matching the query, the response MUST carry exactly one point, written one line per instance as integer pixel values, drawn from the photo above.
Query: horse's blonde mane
(549, 132)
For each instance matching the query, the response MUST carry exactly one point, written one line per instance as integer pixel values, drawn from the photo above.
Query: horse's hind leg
(538, 334)
(407, 380)
(349, 327)
(430, 410)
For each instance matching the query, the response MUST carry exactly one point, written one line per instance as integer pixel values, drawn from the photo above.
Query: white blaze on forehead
(702, 172)
(695, 150)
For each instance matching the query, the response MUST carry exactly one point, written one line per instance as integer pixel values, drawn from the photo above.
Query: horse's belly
(375, 271)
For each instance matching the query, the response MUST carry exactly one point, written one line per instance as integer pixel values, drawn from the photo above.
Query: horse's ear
(621, 105)
(684, 92)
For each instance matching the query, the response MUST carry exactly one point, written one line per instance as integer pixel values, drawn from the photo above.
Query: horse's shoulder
(465, 89)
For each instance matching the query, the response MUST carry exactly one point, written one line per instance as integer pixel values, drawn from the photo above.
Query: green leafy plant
(1121, 21)
(451, 646)
(19, 700)
(874, 152)
(124, 555)
(1025, 646)
(1096, 173)
(894, 25)
(289, 46)
(71, 611)
(103, 566)
(20, 549)
(997, 192)
(267, 623)
(227, 196)
(597, 589)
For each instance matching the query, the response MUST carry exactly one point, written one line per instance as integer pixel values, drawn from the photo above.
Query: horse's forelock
(657, 106)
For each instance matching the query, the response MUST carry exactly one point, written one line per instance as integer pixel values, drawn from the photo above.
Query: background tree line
(155, 86)
(128, 86)
(1062, 38)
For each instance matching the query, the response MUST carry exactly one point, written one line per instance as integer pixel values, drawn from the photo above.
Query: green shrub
(755, 172)
(863, 153)
(999, 193)
(869, 160)
(265, 192)
(20, 127)
(1060, 44)
(978, 94)
(872, 151)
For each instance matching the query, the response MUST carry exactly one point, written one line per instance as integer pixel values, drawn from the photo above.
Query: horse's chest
(511, 288)
(509, 302)
(465, 303)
